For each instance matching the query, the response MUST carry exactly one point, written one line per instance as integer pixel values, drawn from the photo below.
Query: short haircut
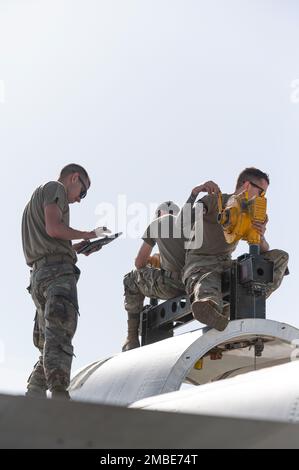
(169, 206)
(74, 168)
(251, 174)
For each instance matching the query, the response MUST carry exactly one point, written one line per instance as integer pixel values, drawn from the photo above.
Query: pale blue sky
(153, 97)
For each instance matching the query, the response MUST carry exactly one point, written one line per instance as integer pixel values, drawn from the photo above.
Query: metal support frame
(158, 322)
(250, 278)
(244, 286)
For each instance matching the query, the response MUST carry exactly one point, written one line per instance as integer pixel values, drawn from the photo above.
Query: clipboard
(98, 243)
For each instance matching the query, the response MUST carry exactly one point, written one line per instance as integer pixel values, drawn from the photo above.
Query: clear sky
(153, 97)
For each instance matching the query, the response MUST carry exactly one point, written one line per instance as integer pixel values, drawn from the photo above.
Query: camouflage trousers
(54, 291)
(149, 282)
(205, 283)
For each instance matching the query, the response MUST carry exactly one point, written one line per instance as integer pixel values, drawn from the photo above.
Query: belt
(53, 259)
(172, 275)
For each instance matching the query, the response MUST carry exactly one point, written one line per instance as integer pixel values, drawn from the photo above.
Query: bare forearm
(140, 265)
(264, 245)
(143, 255)
(63, 232)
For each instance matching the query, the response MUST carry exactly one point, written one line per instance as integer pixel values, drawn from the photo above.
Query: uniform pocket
(61, 317)
(65, 287)
(68, 349)
(38, 338)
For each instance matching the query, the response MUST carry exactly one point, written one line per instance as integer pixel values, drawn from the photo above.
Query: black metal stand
(244, 286)
(249, 277)
(158, 322)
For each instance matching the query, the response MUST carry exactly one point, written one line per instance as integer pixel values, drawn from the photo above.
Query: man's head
(254, 181)
(168, 207)
(76, 182)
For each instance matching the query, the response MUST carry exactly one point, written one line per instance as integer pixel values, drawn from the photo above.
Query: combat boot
(205, 311)
(132, 340)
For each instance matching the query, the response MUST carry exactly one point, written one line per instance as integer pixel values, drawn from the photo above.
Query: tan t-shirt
(161, 232)
(36, 242)
(214, 242)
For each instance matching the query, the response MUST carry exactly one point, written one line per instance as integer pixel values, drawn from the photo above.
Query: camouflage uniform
(204, 266)
(54, 292)
(164, 283)
(53, 289)
(147, 282)
(205, 283)
(280, 259)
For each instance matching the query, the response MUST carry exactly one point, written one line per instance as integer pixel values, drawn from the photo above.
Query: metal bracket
(158, 322)
(244, 286)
